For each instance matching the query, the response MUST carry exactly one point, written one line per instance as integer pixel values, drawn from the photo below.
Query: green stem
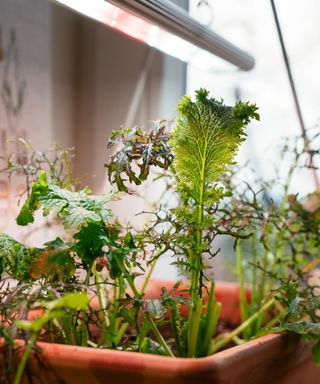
(148, 277)
(194, 329)
(196, 265)
(155, 330)
(221, 342)
(262, 290)
(158, 335)
(122, 287)
(287, 185)
(138, 295)
(238, 341)
(175, 322)
(102, 301)
(120, 333)
(254, 270)
(243, 299)
(210, 321)
(134, 289)
(24, 359)
(87, 280)
(129, 279)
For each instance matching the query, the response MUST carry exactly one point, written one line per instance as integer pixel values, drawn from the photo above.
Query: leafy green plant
(202, 145)
(275, 244)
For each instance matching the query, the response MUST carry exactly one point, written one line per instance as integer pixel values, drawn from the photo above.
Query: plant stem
(87, 279)
(243, 300)
(134, 289)
(262, 290)
(120, 333)
(175, 322)
(138, 295)
(148, 277)
(158, 335)
(238, 341)
(24, 359)
(210, 321)
(196, 265)
(195, 323)
(129, 279)
(254, 270)
(227, 338)
(287, 185)
(102, 301)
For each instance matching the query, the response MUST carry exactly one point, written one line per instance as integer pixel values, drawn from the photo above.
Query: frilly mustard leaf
(205, 140)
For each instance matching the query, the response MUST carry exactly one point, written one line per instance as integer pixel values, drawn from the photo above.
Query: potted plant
(92, 317)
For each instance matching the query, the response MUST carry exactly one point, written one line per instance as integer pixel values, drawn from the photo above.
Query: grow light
(166, 28)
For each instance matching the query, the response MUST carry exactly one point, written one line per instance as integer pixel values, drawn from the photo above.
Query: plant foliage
(276, 246)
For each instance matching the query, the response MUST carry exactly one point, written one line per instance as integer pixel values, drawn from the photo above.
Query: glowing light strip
(144, 31)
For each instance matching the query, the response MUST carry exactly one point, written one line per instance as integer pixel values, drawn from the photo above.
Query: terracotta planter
(275, 359)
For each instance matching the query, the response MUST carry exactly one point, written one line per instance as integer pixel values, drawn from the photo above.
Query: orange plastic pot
(276, 359)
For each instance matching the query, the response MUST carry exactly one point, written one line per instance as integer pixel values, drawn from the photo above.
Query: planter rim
(57, 353)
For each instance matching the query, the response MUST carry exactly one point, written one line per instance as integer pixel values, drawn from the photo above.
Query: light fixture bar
(165, 27)
(175, 20)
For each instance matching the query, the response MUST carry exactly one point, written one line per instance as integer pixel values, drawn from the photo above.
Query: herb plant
(203, 144)
(86, 288)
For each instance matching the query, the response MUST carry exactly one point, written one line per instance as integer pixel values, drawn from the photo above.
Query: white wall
(29, 19)
(81, 78)
(29, 63)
